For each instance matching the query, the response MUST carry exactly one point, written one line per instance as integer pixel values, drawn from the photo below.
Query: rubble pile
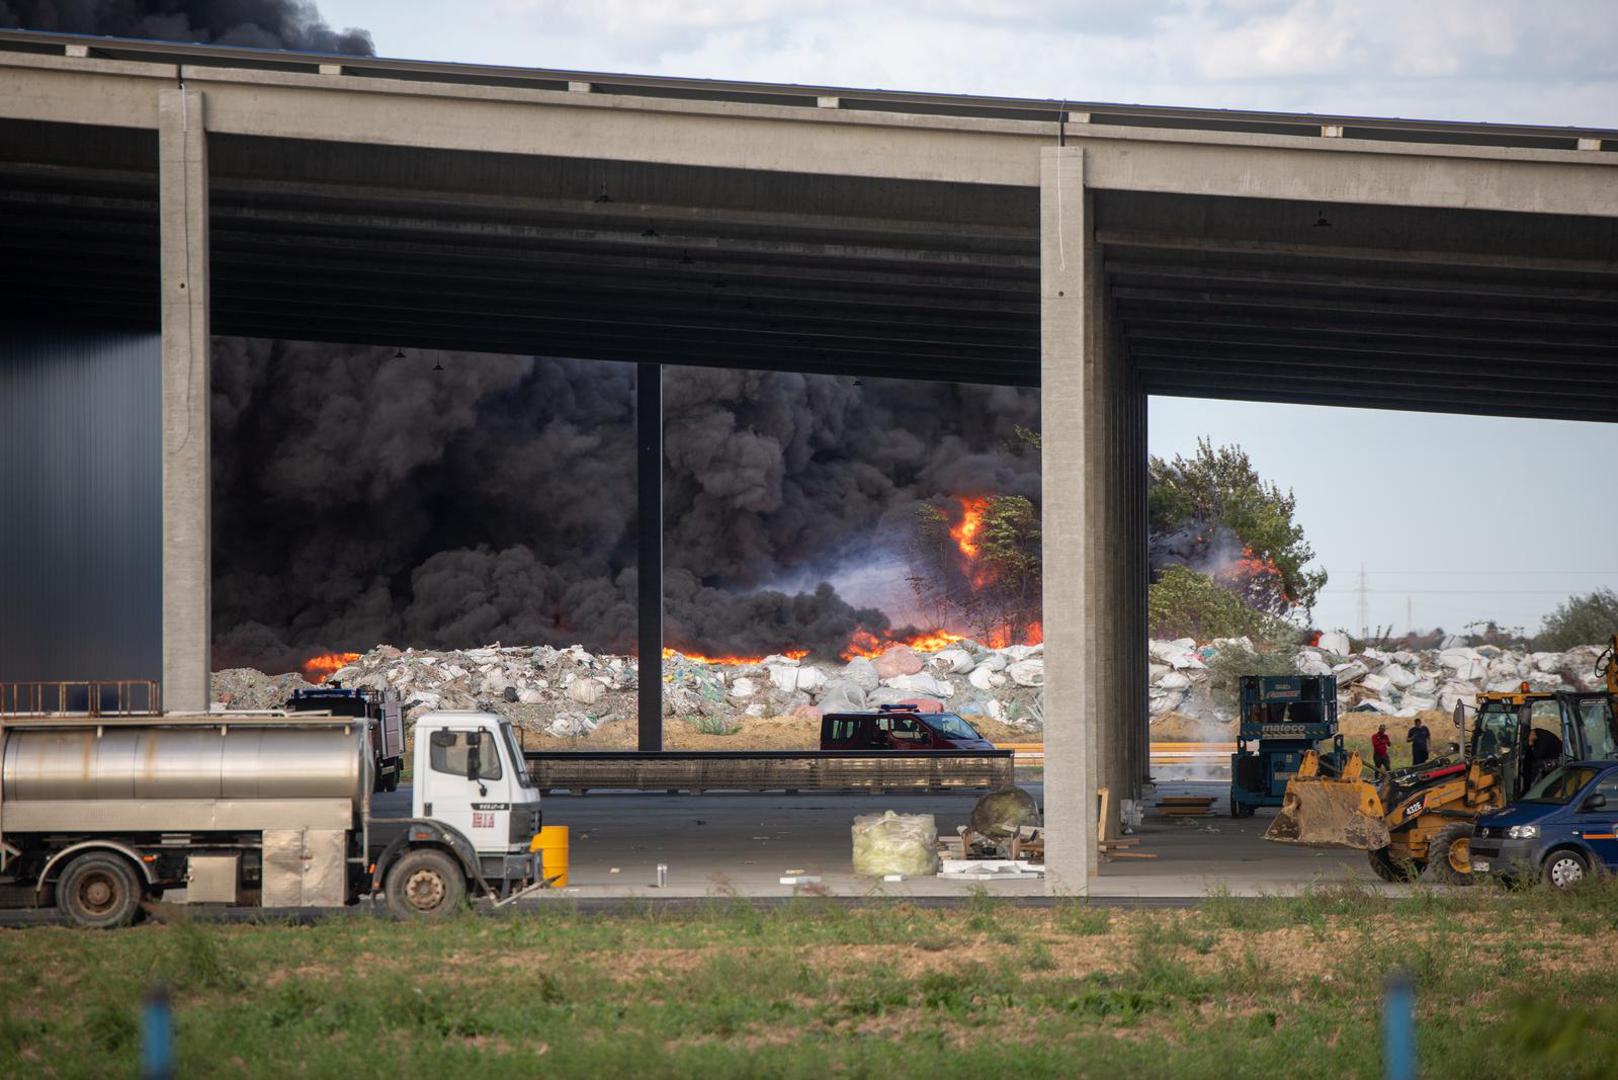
(569, 693)
(245, 688)
(1400, 684)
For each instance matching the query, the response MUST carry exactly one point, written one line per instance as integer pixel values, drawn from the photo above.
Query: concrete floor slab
(725, 844)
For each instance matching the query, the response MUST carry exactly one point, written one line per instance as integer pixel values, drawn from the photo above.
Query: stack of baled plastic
(890, 843)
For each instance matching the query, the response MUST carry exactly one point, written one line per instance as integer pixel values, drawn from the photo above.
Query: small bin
(551, 843)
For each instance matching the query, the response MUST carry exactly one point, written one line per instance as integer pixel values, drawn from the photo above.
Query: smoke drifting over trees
(361, 498)
(261, 24)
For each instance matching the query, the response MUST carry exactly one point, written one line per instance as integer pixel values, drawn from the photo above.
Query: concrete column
(1067, 252)
(1103, 547)
(182, 149)
(1139, 575)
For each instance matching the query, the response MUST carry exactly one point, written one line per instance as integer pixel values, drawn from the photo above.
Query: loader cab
(470, 774)
(1583, 722)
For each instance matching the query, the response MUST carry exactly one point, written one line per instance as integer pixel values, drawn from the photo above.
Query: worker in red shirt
(1379, 748)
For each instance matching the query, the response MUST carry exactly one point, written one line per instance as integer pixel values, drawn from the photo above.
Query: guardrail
(1163, 753)
(81, 697)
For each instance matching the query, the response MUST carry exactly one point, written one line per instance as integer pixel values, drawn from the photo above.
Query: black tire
(1452, 846)
(1387, 869)
(1565, 868)
(100, 891)
(425, 884)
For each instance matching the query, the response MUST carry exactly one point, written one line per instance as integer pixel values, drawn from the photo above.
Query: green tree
(1220, 487)
(996, 590)
(1184, 603)
(1591, 619)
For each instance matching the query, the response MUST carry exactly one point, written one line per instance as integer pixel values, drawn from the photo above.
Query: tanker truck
(100, 816)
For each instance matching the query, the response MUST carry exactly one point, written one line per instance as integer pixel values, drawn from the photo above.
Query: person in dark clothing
(1544, 751)
(1380, 744)
(1418, 737)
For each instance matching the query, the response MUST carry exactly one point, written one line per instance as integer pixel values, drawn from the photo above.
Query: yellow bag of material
(895, 844)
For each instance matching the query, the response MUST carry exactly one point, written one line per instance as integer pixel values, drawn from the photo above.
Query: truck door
(465, 786)
(1549, 725)
(1598, 824)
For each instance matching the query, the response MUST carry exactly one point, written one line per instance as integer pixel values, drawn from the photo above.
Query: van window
(953, 727)
(450, 749)
(842, 729)
(908, 729)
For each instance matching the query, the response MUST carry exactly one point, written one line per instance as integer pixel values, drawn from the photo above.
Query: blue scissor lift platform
(1283, 718)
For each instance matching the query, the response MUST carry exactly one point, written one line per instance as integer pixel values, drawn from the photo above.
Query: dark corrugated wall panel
(81, 525)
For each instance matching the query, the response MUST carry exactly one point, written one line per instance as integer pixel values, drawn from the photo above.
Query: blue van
(1564, 829)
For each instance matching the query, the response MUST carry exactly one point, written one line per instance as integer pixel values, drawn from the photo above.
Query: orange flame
(320, 668)
(790, 654)
(965, 534)
(866, 644)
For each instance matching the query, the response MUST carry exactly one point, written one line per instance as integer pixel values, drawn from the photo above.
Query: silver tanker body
(226, 774)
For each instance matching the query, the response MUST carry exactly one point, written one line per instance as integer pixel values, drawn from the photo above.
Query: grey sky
(1528, 508)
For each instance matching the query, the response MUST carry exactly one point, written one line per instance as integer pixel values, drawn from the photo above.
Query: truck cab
(1580, 726)
(474, 800)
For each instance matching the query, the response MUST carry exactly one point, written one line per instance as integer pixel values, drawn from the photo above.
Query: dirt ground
(1178, 727)
(803, 733)
(755, 733)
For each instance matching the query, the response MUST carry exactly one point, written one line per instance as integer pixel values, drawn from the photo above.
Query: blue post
(157, 1037)
(1399, 1028)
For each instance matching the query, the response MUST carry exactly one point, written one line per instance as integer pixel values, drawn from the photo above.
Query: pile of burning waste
(570, 693)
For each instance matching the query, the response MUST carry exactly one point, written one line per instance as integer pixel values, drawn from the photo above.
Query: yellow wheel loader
(1420, 819)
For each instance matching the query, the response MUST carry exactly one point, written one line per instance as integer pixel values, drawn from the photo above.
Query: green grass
(1508, 984)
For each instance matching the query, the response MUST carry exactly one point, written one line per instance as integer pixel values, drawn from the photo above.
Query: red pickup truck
(899, 727)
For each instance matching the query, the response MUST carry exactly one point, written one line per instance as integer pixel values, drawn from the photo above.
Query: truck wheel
(1566, 868)
(99, 891)
(1449, 855)
(1388, 869)
(425, 884)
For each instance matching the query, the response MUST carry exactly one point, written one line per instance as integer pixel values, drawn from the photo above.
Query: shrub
(1579, 620)
(715, 725)
(1184, 603)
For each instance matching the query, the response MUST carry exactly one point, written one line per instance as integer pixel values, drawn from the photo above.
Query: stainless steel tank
(207, 761)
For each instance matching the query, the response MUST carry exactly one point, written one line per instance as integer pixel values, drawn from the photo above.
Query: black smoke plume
(361, 497)
(262, 24)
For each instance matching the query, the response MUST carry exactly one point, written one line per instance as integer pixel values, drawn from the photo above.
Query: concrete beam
(187, 569)
(1069, 257)
(740, 135)
(1425, 258)
(1357, 171)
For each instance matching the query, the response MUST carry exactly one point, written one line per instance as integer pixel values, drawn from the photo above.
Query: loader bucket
(1328, 812)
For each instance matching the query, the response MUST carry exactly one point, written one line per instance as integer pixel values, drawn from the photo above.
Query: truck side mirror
(1594, 802)
(474, 758)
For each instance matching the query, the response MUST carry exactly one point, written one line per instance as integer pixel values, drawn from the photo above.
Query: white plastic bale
(891, 843)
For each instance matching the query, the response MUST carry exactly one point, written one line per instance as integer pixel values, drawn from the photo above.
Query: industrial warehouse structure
(1102, 253)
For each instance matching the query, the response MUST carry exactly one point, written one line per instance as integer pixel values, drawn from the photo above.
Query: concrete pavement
(722, 844)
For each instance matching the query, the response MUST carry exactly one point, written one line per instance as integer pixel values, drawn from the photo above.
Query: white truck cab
(470, 775)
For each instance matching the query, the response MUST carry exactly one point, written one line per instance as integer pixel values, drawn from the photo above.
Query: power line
(1361, 592)
(1608, 573)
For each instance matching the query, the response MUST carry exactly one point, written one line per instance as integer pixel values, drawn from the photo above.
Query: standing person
(1380, 743)
(1418, 736)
